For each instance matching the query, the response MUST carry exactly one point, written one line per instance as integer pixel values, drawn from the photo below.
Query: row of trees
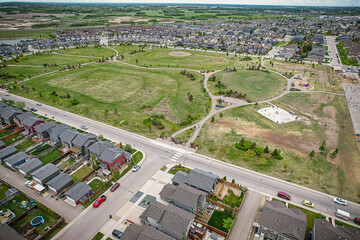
(191, 76)
(252, 148)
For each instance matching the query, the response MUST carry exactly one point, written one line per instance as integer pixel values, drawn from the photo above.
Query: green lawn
(5, 133)
(177, 168)
(67, 163)
(13, 139)
(95, 184)
(89, 51)
(3, 189)
(17, 73)
(15, 206)
(132, 89)
(98, 236)
(217, 218)
(257, 85)
(82, 172)
(310, 216)
(51, 156)
(137, 157)
(44, 148)
(22, 146)
(233, 200)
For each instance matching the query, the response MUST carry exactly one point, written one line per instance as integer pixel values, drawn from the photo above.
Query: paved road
(333, 53)
(87, 224)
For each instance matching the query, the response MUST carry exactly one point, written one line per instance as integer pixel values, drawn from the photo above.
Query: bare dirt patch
(163, 108)
(179, 54)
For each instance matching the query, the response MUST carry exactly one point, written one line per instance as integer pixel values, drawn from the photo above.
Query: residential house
(42, 130)
(99, 147)
(2, 145)
(2, 104)
(30, 122)
(45, 173)
(183, 196)
(30, 166)
(18, 120)
(77, 192)
(112, 158)
(54, 133)
(170, 219)
(323, 230)
(298, 38)
(82, 142)
(279, 222)
(4, 110)
(60, 182)
(9, 114)
(16, 159)
(142, 232)
(317, 53)
(7, 152)
(197, 178)
(67, 136)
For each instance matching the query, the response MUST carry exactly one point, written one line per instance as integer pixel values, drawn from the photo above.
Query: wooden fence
(48, 150)
(8, 198)
(224, 206)
(212, 228)
(6, 127)
(51, 230)
(237, 214)
(13, 134)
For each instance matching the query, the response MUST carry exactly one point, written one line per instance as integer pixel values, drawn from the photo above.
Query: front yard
(81, 173)
(51, 156)
(22, 146)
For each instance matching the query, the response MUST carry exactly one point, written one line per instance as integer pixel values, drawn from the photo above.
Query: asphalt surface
(157, 154)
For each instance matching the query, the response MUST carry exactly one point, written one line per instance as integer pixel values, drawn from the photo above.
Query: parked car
(39, 104)
(84, 127)
(33, 109)
(116, 233)
(308, 203)
(114, 187)
(99, 201)
(29, 184)
(136, 167)
(284, 195)
(340, 201)
(357, 220)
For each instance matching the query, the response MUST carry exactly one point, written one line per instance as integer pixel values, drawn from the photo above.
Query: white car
(29, 184)
(340, 201)
(84, 127)
(39, 104)
(136, 167)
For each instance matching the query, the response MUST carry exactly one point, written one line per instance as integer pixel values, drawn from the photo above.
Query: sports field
(257, 85)
(127, 94)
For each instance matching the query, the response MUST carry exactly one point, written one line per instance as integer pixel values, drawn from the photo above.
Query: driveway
(17, 180)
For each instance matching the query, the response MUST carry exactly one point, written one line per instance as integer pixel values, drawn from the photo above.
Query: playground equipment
(37, 221)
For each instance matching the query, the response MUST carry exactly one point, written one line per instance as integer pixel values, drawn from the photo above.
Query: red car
(114, 187)
(357, 220)
(284, 195)
(99, 201)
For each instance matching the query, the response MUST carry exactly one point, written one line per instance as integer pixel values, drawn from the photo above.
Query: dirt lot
(179, 54)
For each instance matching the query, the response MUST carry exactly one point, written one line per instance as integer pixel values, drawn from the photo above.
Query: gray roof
(30, 165)
(289, 222)
(31, 121)
(68, 135)
(143, 232)
(23, 116)
(7, 151)
(60, 181)
(2, 104)
(5, 109)
(201, 179)
(57, 130)
(10, 112)
(78, 191)
(109, 155)
(44, 127)
(18, 157)
(98, 147)
(2, 143)
(83, 139)
(7, 232)
(180, 177)
(325, 230)
(171, 217)
(45, 171)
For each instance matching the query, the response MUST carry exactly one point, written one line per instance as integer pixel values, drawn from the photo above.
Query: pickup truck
(30, 184)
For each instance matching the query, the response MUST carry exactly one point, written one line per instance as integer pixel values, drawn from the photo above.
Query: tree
(224, 178)
(227, 223)
(213, 119)
(191, 98)
(221, 115)
(128, 148)
(19, 105)
(233, 181)
(266, 150)
(322, 147)
(95, 162)
(312, 154)
(106, 112)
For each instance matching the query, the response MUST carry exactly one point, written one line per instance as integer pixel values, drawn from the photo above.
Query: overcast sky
(248, 2)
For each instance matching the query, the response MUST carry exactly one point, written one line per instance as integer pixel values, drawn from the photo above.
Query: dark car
(114, 187)
(284, 195)
(116, 233)
(99, 201)
(357, 220)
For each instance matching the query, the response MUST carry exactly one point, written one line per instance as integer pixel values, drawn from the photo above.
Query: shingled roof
(82, 139)
(45, 171)
(44, 127)
(31, 121)
(21, 117)
(60, 181)
(143, 232)
(2, 104)
(18, 157)
(57, 130)
(325, 230)
(109, 155)
(7, 151)
(78, 191)
(68, 135)
(30, 165)
(179, 177)
(9, 112)
(98, 147)
(184, 194)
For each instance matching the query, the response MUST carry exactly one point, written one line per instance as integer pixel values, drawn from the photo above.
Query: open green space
(257, 85)
(44, 148)
(5, 133)
(217, 218)
(14, 204)
(13, 139)
(95, 184)
(200, 60)
(67, 163)
(3, 189)
(81, 173)
(51, 156)
(22, 146)
(125, 96)
(177, 168)
(18, 73)
(91, 51)
(14, 34)
(310, 217)
(137, 157)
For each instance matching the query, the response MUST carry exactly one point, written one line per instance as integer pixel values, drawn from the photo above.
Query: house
(98, 148)
(112, 158)
(82, 142)
(45, 173)
(4, 110)
(30, 122)
(30, 166)
(9, 114)
(7, 152)
(170, 219)
(74, 194)
(140, 232)
(323, 230)
(54, 133)
(42, 130)
(183, 196)
(67, 136)
(21, 117)
(279, 222)
(2, 145)
(2, 104)
(60, 182)
(16, 159)
(196, 178)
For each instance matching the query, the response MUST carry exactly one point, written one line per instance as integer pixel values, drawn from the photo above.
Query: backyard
(14, 204)
(81, 173)
(13, 139)
(67, 163)
(217, 219)
(233, 200)
(51, 156)
(3, 189)
(43, 149)
(95, 184)
(4, 133)
(22, 146)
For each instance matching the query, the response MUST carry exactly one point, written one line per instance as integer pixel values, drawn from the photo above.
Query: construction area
(278, 115)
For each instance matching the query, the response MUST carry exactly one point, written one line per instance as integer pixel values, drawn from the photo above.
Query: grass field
(5, 133)
(123, 91)
(17, 73)
(44, 148)
(257, 85)
(159, 57)
(89, 51)
(321, 118)
(51, 156)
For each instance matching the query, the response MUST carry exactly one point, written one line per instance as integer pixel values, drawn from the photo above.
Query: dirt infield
(179, 54)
